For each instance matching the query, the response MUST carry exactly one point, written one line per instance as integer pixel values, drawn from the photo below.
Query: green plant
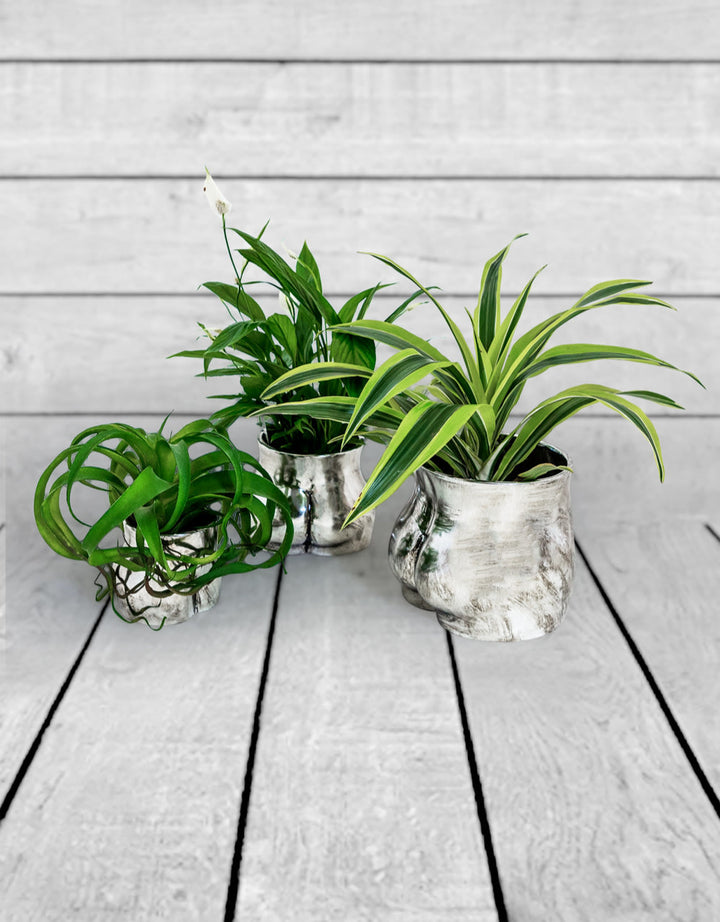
(258, 348)
(455, 424)
(160, 486)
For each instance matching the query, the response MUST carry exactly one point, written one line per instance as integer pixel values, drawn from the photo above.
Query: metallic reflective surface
(173, 608)
(322, 490)
(494, 560)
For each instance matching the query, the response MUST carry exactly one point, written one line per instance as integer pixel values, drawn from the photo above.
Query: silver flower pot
(322, 490)
(493, 560)
(132, 596)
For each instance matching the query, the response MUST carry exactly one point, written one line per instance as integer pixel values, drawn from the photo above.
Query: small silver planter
(173, 608)
(493, 560)
(322, 490)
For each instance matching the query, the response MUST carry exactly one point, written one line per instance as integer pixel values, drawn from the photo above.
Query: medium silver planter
(322, 490)
(493, 560)
(172, 608)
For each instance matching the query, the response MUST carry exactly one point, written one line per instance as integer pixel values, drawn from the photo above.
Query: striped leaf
(312, 373)
(589, 352)
(426, 429)
(391, 335)
(487, 312)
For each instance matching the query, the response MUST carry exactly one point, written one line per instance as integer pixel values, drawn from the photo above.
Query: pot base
(497, 627)
(173, 609)
(414, 598)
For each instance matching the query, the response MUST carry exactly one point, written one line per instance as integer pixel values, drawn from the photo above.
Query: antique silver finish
(172, 608)
(322, 490)
(494, 560)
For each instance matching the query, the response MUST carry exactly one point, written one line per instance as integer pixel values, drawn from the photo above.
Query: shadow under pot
(322, 490)
(494, 560)
(162, 605)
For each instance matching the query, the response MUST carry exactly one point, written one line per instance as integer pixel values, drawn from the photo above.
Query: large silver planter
(494, 560)
(322, 490)
(173, 608)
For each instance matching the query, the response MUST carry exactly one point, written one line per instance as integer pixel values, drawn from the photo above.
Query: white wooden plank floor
(326, 754)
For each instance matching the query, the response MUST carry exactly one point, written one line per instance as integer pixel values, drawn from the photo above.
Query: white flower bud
(218, 202)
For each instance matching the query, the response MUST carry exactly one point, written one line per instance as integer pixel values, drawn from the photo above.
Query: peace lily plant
(459, 421)
(258, 348)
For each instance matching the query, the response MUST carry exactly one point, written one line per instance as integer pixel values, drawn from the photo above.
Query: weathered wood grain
(663, 576)
(121, 236)
(130, 806)
(372, 30)
(50, 601)
(362, 806)
(594, 810)
(360, 119)
(68, 354)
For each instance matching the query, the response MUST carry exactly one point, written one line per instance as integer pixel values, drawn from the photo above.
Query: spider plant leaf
(487, 312)
(540, 470)
(588, 352)
(609, 289)
(401, 371)
(400, 310)
(310, 374)
(504, 334)
(391, 335)
(145, 488)
(425, 430)
(654, 397)
(338, 409)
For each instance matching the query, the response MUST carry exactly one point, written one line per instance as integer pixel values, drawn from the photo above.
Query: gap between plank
(477, 789)
(234, 881)
(650, 678)
(357, 177)
(35, 745)
(382, 62)
(712, 531)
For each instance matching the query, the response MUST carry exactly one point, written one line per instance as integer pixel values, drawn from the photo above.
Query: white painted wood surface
(362, 805)
(360, 119)
(671, 611)
(144, 236)
(594, 810)
(372, 30)
(110, 354)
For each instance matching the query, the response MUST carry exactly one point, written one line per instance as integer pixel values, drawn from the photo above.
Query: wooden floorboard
(362, 805)
(663, 578)
(595, 812)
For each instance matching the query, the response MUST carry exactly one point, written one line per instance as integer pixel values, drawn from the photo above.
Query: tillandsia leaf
(425, 430)
(147, 526)
(487, 312)
(310, 374)
(401, 371)
(588, 352)
(391, 335)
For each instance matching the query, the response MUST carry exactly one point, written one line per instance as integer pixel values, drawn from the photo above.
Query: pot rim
(172, 535)
(294, 454)
(553, 478)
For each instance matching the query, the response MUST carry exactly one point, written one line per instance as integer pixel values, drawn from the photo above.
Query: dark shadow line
(712, 531)
(509, 296)
(382, 62)
(35, 745)
(650, 679)
(477, 788)
(356, 177)
(234, 881)
(2, 525)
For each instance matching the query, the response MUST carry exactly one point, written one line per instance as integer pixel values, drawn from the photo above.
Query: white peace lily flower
(289, 252)
(217, 200)
(284, 301)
